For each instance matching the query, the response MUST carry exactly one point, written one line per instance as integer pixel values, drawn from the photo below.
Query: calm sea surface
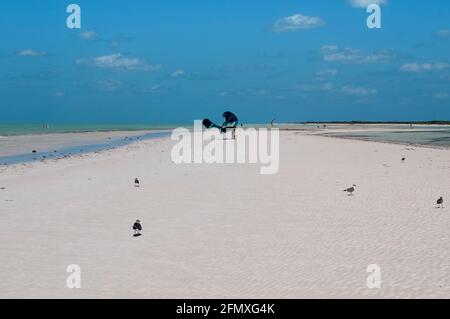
(435, 137)
(24, 129)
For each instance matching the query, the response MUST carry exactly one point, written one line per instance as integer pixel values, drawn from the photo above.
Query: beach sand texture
(225, 231)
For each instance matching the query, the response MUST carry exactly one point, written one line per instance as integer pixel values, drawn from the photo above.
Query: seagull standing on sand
(350, 190)
(137, 227)
(440, 202)
(136, 182)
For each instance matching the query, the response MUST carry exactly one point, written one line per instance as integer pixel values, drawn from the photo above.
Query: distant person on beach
(136, 182)
(271, 123)
(137, 227)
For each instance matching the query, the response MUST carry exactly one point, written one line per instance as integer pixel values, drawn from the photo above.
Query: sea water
(107, 144)
(25, 129)
(431, 136)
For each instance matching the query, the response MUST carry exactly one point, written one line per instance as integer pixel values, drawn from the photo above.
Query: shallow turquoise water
(435, 137)
(23, 129)
(79, 149)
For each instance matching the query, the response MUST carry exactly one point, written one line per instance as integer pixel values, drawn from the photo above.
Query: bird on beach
(136, 182)
(350, 190)
(403, 159)
(137, 227)
(440, 202)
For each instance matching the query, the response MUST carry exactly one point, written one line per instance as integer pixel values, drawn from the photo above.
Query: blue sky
(174, 61)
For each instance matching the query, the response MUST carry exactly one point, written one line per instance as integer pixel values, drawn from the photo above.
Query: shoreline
(430, 146)
(11, 130)
(95, 141)
(22, 147)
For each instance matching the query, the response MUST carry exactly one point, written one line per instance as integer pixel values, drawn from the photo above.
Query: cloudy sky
(174, 61)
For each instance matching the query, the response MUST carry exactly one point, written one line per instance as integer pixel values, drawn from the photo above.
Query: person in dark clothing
(137, 227)
(136, 182)
(231, 122)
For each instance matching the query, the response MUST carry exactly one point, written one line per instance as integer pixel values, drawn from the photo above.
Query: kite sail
(208, 124)
(231, 121)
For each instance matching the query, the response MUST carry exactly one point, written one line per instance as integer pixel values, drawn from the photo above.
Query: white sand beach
(226, 231)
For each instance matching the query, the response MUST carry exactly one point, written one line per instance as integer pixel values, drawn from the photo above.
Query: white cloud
(363, 100)
(297, 22)
(424, 67)
(31, 53)
(247, 92)
(329, 48)
(59, 94)
(109, 85)
(332, 53)
(326, 73)
(327, 87)
(157, 89)
(359, 91)
(88, 35)
(315, 87)
(178, 73)
(118, 62)
(441, 96)
(118, 41)
(114, 44)
(329, 72)
(445, 33)
(366, 3)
